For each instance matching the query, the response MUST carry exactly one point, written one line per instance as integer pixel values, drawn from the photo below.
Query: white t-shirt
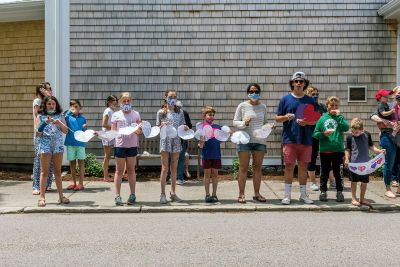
(109, 112)
(36, 102)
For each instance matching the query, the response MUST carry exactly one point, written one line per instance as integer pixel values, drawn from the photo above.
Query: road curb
(11, 210)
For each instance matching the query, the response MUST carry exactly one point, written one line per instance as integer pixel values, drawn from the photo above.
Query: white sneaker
(390, 194)
(163, 199)
(304, 198)
(314, 187)
(286, 201)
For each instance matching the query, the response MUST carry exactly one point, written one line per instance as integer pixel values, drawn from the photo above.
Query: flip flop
(63, 200)
(71, 187)
(41, 202)
(79, 188)
(241, 200)
(259, 198)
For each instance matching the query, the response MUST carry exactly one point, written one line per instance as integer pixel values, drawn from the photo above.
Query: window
(357, 94)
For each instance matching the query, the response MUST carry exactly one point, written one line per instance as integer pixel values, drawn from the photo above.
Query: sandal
(71, 187)
(366, 203)
(35, 192)
(241, 200)
(41, 202)
(63, 200)
(259, 198)
(355, 203)
(79, 188)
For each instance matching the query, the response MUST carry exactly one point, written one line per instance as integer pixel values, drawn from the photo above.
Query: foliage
(235, 168)
(92, 167)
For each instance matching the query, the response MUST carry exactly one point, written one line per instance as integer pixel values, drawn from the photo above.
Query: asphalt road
(201, 239)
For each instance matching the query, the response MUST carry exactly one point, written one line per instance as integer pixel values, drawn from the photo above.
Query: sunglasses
(298, 81)
(315, 94)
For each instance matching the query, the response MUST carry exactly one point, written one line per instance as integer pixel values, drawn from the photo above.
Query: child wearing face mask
(75, 149)
(41, 94)
(357, 146)
(111, 103)
(126, 147)
(211, 156)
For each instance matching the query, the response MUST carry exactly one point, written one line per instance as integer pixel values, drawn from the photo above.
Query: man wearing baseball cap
(296, 136)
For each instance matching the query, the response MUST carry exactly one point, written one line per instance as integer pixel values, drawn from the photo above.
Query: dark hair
(111, 98)
(164, 105)
(43, 110)
(39, 89)
(75, 101)
(306, 83)
(255, 85)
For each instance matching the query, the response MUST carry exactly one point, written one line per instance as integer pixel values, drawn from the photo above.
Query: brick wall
(211, 50)
(21, 68)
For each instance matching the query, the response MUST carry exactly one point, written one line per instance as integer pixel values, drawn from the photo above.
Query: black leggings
(334, 160)
(314, 154)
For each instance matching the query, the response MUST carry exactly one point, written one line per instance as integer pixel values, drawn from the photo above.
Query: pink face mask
(209, 119)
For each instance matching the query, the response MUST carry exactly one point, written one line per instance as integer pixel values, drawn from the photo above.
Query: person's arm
(344, 125)
(238, 120)
(139, 131)
(104, 123)
(372, 147)
(63, 124)
(281, 114)
(387, 113)
(346, 157)
(375, 118)
(319, 132)
(187, 120)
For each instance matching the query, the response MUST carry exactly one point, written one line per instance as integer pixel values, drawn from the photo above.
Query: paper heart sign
(240, 137)
(84, 136)
(310, 115)
(200, 133)
(155, 130)
(208, 131)
(128, 130)
(300, 111)
(221, 135)
(163, 132)
(107, 135)
(185, 134)
(146, 128)
(366, 168)
(171, 131)
(226, 129)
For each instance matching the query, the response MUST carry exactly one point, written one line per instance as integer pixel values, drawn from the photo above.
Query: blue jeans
(181, 163)
(386, 142)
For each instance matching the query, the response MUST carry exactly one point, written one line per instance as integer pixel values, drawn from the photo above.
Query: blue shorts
(251, 147)
(125, 152)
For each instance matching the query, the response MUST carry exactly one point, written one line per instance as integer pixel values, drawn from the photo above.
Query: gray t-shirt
(359, 147)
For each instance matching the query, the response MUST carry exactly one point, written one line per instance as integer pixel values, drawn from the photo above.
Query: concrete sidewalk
(98, 197)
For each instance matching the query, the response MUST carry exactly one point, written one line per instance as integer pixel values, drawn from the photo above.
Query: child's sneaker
(208, 199)
(175, 198)
(323, 196)
(131, 199)
(304, 198)
(118, 201)
(286, 200)
(314, 187)
(180, 182)
(163, 199)
(339, 196)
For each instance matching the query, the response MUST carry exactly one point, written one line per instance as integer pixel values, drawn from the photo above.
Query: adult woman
(251, 115)
(170, 115)
(51, 125)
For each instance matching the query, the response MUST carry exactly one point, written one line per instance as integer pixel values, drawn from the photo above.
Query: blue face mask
(126, 107)
(254, 96)
(171, 101)
(315, 98)
(50, 112)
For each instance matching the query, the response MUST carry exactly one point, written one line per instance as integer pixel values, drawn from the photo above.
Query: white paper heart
(198, 134)
(171, 131)
(185, 134)
(128, 130)
(155, 130)
(84, 136)
(108, 135)
(146, 128)
(264, 132)
(199, 126)
(240, 137)
(208, 131)
(163, 132)
(221, 135)
(226, 129)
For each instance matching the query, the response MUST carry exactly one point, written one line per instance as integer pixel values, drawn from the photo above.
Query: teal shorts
(76, 152)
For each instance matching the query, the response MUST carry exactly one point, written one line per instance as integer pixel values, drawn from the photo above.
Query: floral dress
(51, 141)
(171, 145)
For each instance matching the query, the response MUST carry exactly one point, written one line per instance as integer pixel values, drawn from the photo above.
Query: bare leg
(187, 173)
(44, 172)
(244, 157)
(258, 157)
(119, 171)
(311, 174)
(131, 169)
(57, 162)
(107, 156)
(289, 168)
(354, 200)
(164, 170)
(173, 169)
(214, 176)
(302, 172)
(207, 174)
(362, 194)
(81, 171)
(72, 166)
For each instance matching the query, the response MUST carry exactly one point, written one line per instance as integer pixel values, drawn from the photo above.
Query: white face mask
(126, 107)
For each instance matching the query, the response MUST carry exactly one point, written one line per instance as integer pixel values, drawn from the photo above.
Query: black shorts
(212, 164)
(358, 178)
(125, 152)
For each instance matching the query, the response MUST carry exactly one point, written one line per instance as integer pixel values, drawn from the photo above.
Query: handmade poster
(185, 134)
(155, 130)
(264, 132)
(84, 136)
(240, 137)
(146, 128)
(307, 112)
(221, 135)
(107, 135)
(366, 168)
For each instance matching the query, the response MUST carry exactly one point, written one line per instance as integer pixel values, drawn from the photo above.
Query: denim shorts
(125, 152)
(251, 147)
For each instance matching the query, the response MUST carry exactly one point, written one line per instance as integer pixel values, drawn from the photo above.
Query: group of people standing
(301, 139)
